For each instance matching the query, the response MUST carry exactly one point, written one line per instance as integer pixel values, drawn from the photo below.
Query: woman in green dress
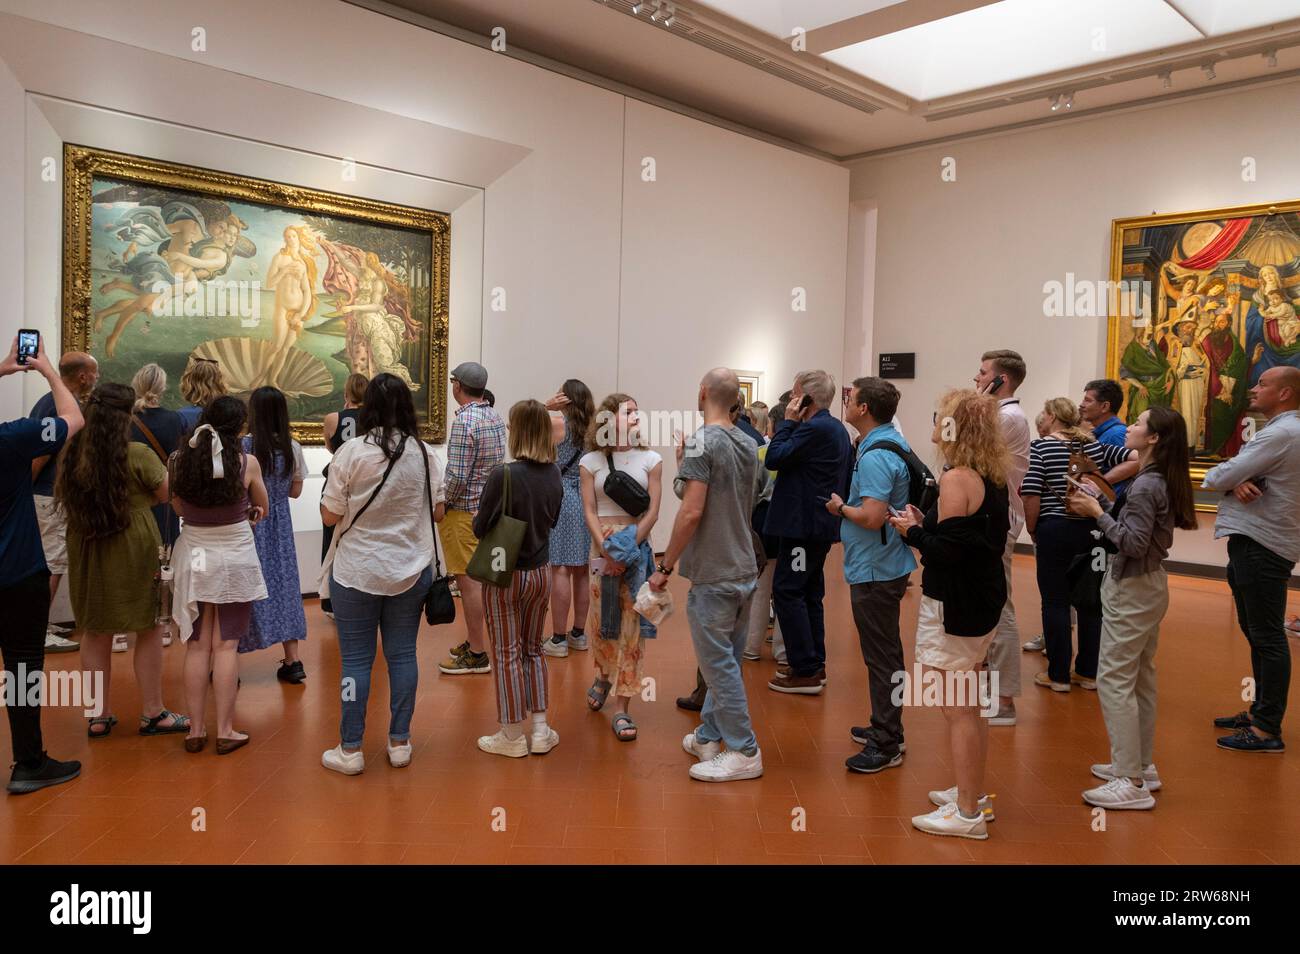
(106, 485)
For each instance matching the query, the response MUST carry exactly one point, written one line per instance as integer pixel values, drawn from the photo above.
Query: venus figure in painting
(292, 277)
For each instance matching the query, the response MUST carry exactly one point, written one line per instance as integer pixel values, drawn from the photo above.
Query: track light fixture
(1208, 70)
(1056, 102)
(1166, 79)
(1270, 58)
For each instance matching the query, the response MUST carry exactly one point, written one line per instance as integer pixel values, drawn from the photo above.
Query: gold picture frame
(1224, 259)
(422, 327)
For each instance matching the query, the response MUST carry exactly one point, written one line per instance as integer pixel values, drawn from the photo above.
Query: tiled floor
(595, 799)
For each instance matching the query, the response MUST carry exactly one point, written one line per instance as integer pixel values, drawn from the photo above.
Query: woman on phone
(619, 649)
(218, 492)
(1139, 527)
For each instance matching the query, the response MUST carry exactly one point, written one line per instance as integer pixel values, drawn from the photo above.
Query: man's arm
(460, 455)
(1257, 457)
(684, 527)
(791, 445)
(65, 404)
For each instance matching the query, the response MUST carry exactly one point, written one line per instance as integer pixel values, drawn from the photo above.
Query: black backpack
(922, 488)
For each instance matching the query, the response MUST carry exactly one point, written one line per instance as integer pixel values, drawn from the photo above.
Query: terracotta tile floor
(595, 799)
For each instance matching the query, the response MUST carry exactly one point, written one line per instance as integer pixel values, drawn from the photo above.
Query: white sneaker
(703, 751)
(167, 637)
(539, 743)
(551, 648)
(54, 643)
(499, 745)
(1006, 715)
(950, 795)
(1035, 645)
(577, 642)
(346, 763)
(1150, 778)
(399, 756)
(729, 766)
(119, 643)
(1119, 793)
(947, 820)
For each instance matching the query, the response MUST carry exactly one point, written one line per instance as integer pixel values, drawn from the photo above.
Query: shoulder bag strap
(383, 480)
(148, 435)
(433, 526)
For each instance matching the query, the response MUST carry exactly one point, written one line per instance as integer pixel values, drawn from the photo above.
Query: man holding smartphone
(24, 575)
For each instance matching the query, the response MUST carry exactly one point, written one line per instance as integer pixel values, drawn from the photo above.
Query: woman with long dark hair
(218, 491)
(106, 485)
(1139, 527)
(339, 427)
(382, 491)
(279, 618)
(570, 540)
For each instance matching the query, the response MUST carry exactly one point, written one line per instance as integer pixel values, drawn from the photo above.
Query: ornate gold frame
(81, 164)
(1198, 466)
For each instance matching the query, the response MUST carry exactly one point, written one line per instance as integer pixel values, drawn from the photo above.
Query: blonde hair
(202, 382)
(530, 432)
(354, 389)
(758, 416)
(1067, 415)
(149, 383)
(977, 440)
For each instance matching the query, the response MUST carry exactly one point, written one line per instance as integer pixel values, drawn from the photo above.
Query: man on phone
(811, 455)
(1000, 374)
(79, 373)
(1260, 516)
(877, 562)
(24, 575)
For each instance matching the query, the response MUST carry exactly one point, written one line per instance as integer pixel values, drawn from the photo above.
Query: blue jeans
(719, 617)
(360, 617)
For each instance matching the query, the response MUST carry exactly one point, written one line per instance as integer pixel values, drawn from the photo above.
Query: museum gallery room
(711, 432)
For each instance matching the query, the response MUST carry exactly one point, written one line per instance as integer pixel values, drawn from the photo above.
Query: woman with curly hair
(963, 588)
(219, 494)
(201, 384)
(106, 486)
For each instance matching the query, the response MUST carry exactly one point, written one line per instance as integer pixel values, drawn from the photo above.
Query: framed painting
(280, 285)
(1224, 287)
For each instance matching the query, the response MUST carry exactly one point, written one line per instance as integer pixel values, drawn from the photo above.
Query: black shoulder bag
(623, 489)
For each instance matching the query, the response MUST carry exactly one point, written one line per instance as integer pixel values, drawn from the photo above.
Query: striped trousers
(516, 625)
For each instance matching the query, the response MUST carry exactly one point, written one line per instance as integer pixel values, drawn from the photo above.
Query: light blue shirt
(1273, 455)
(881, 475)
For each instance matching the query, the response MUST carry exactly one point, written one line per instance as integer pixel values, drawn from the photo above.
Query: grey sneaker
(556, 646)
(1035, 645)
(577, 641)
(1006, 716)
(54, 643)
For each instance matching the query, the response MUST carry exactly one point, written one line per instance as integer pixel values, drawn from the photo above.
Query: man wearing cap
(476, 445)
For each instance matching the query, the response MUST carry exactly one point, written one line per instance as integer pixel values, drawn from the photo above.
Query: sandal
(1293, 625)
(150, 726)
(106, 721)
(596, 696)
(622, 725)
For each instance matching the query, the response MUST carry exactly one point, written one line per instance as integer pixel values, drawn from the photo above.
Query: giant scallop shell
(244, 360)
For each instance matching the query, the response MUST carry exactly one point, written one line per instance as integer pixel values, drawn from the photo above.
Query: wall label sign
(898, 364)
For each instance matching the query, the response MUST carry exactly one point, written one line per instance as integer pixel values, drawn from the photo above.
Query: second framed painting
(1225, 288)
(280, 285)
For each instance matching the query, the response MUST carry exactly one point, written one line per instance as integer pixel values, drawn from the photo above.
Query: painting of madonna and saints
(1225, 287)
(280, 285)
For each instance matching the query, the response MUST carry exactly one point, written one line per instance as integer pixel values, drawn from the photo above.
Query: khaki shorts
(937, 649)
(458, 540)
(54, 534)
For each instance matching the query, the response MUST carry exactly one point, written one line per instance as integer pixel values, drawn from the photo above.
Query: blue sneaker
(1244, 740)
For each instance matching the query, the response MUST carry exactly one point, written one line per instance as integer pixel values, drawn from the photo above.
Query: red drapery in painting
(1220, 248)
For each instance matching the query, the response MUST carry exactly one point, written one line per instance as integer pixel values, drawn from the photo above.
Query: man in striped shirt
(476, 445)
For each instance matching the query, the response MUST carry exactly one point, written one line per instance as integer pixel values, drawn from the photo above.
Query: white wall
(960, 266)
(640, 289)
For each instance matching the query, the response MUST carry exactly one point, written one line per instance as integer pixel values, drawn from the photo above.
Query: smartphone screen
(29, 343)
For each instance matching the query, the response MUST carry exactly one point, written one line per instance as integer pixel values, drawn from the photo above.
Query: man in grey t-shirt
(718, 479)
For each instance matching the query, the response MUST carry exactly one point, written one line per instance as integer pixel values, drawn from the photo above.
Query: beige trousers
(1132, 609)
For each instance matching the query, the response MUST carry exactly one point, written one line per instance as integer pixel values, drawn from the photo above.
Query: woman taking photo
(106, 485)
(201, 384)
(340, 427)
(279, 618)
(621, 556)
(1060, 536)
(218, 491)
(383, 495)
(516, 614)
(1139, 527)
(963, 587)
(570, 540)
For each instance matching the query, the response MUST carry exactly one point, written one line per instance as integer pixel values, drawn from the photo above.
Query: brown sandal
(197, 743)
(226, 746)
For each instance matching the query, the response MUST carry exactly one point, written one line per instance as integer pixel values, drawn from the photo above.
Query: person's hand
(1247, 492)
(10, 364)
(255, 514)
(1259, 353)
(834, 504)
(658, 582)
(556, 401)
(1085, 505)
(909, 518)
(793, 411)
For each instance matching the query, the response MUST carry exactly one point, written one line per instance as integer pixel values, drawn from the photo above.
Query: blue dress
(279, 617)
(570, 540)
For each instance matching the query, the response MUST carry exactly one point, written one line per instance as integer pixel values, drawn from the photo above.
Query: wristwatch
(665, 570)
(841, 510)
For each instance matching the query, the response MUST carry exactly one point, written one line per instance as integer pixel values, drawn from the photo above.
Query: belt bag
(623, 489)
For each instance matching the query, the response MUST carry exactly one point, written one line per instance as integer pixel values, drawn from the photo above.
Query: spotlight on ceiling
(1208, 70)
(1270, 58)
(1069, 101)
(1166, 79)
(1056, 102)
(671, 20)
(637, 8)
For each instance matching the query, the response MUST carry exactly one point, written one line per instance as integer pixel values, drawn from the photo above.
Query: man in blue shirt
(1101, 402)
(811, 455)
(877, 563)
(24, 576)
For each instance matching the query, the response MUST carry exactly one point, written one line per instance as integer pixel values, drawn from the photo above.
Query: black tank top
(346, 431)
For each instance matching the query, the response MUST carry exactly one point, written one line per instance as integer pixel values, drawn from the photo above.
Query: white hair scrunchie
(218, 466)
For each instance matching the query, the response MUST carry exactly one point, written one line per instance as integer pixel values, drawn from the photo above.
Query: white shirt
(636, 463)
(388, 549)
(1015, 428)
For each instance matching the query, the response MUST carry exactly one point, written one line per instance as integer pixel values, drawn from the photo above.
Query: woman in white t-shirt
(617, 650)
(378, 567)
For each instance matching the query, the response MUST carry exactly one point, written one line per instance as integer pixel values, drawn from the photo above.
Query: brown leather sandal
(226, 746)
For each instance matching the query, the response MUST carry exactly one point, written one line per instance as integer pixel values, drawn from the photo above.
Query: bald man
(718, 480)
(79, 373)
(1260, 515)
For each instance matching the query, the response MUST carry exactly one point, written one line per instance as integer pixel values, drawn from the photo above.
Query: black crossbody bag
(624, 490)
